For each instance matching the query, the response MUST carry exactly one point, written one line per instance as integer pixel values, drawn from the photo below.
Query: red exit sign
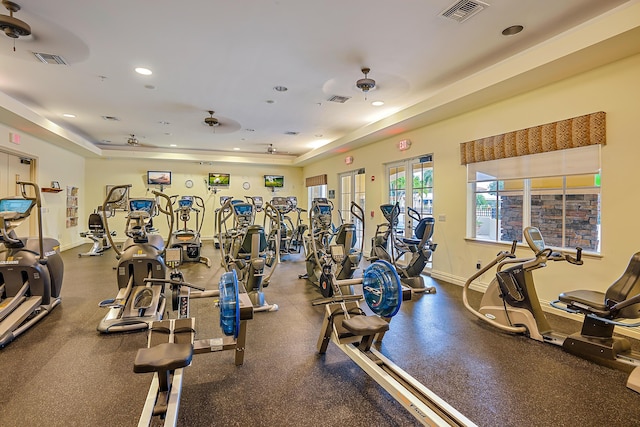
(404, 144)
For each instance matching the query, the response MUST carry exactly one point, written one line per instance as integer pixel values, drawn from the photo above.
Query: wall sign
(404, 144)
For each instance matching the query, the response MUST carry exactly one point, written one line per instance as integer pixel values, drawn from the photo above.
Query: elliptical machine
(247, 251)
(188, 240)
(96, 233)
(386, 245)
(344, 254)
(31, 268)
(138, 302)
(511, 304)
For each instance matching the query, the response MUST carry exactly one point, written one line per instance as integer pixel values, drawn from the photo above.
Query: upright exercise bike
(31, 268)
(185, 238)
(96, 233)
(511, 304)
(138, 302)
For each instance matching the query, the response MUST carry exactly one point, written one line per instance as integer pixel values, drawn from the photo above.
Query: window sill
(506, 245)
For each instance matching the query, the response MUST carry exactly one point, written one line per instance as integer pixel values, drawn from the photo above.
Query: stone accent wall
(581, 220)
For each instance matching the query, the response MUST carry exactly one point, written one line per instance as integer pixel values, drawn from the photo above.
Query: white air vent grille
(339, 99)
(48, 58)
(464, 9)
(111, 118)
(290, 132)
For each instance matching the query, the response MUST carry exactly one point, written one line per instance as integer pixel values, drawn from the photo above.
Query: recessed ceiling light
(377, 103)
(173, 145)
(512, 30)
(236, 149)
(280, 88)
(144, 71)
(69, 115)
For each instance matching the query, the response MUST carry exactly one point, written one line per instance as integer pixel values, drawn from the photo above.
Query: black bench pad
(163, 357)
(365, 325)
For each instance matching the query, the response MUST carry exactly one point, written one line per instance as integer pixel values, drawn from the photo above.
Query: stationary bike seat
(163, 357)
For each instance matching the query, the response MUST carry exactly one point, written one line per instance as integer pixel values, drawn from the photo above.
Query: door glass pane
(397, 190)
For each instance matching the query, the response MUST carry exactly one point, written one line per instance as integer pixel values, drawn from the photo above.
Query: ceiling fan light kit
(366, 84)
(11, 26)
(211, 121)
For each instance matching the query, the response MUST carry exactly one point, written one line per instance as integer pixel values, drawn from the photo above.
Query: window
(315, 191)
(352, 186)
(419, 187)
(565, 207)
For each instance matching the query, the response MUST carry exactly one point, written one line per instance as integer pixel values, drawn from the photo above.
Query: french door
(352, 190)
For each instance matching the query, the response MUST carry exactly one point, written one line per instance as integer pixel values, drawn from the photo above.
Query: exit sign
(403, 145)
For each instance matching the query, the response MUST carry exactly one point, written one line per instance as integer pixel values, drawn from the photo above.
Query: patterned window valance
(316, 180)
(570, 133)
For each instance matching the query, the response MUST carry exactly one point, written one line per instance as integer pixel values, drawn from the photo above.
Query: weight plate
(229, 304)
(326, 289)
(382, 288)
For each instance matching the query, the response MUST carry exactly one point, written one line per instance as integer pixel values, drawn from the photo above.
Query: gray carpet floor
(62, 372)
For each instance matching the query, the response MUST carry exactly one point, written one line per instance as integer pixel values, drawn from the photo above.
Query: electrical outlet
(478, 265)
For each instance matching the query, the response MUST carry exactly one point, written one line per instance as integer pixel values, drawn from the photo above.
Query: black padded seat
(163, 357)
(592, 299)
(365, 325)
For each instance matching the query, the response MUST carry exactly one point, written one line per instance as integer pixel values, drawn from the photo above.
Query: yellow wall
(102, 172)
(53, 164)
(612, 88)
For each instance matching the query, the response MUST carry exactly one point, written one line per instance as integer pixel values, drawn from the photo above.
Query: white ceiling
(228, 56)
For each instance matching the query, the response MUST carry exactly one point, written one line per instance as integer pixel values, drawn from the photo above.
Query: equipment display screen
(21, 206)
(185, 202)
(324, 210)
(386, 209)
(243, 209)
(141, 205)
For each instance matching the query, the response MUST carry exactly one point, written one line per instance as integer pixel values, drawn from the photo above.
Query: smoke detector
(211, 121)
(13, 27)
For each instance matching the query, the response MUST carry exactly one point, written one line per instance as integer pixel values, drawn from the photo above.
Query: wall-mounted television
(158, 177)
(274, 181)
(219, 179)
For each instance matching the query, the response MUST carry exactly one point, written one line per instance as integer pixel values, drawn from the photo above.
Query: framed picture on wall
(123, 204)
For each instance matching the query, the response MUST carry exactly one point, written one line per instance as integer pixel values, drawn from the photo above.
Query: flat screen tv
(158, 177)
(219, 179)
(274, 181)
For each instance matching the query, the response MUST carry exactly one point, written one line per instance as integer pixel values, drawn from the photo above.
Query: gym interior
(577, 89)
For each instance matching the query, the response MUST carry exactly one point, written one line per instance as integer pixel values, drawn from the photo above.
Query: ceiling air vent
(290, 132)
(464, 9)
(339, 99)
(48, 58)
(111, 118)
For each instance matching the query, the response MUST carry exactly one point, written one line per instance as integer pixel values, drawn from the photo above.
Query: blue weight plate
(229, 304)
(382, 288)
